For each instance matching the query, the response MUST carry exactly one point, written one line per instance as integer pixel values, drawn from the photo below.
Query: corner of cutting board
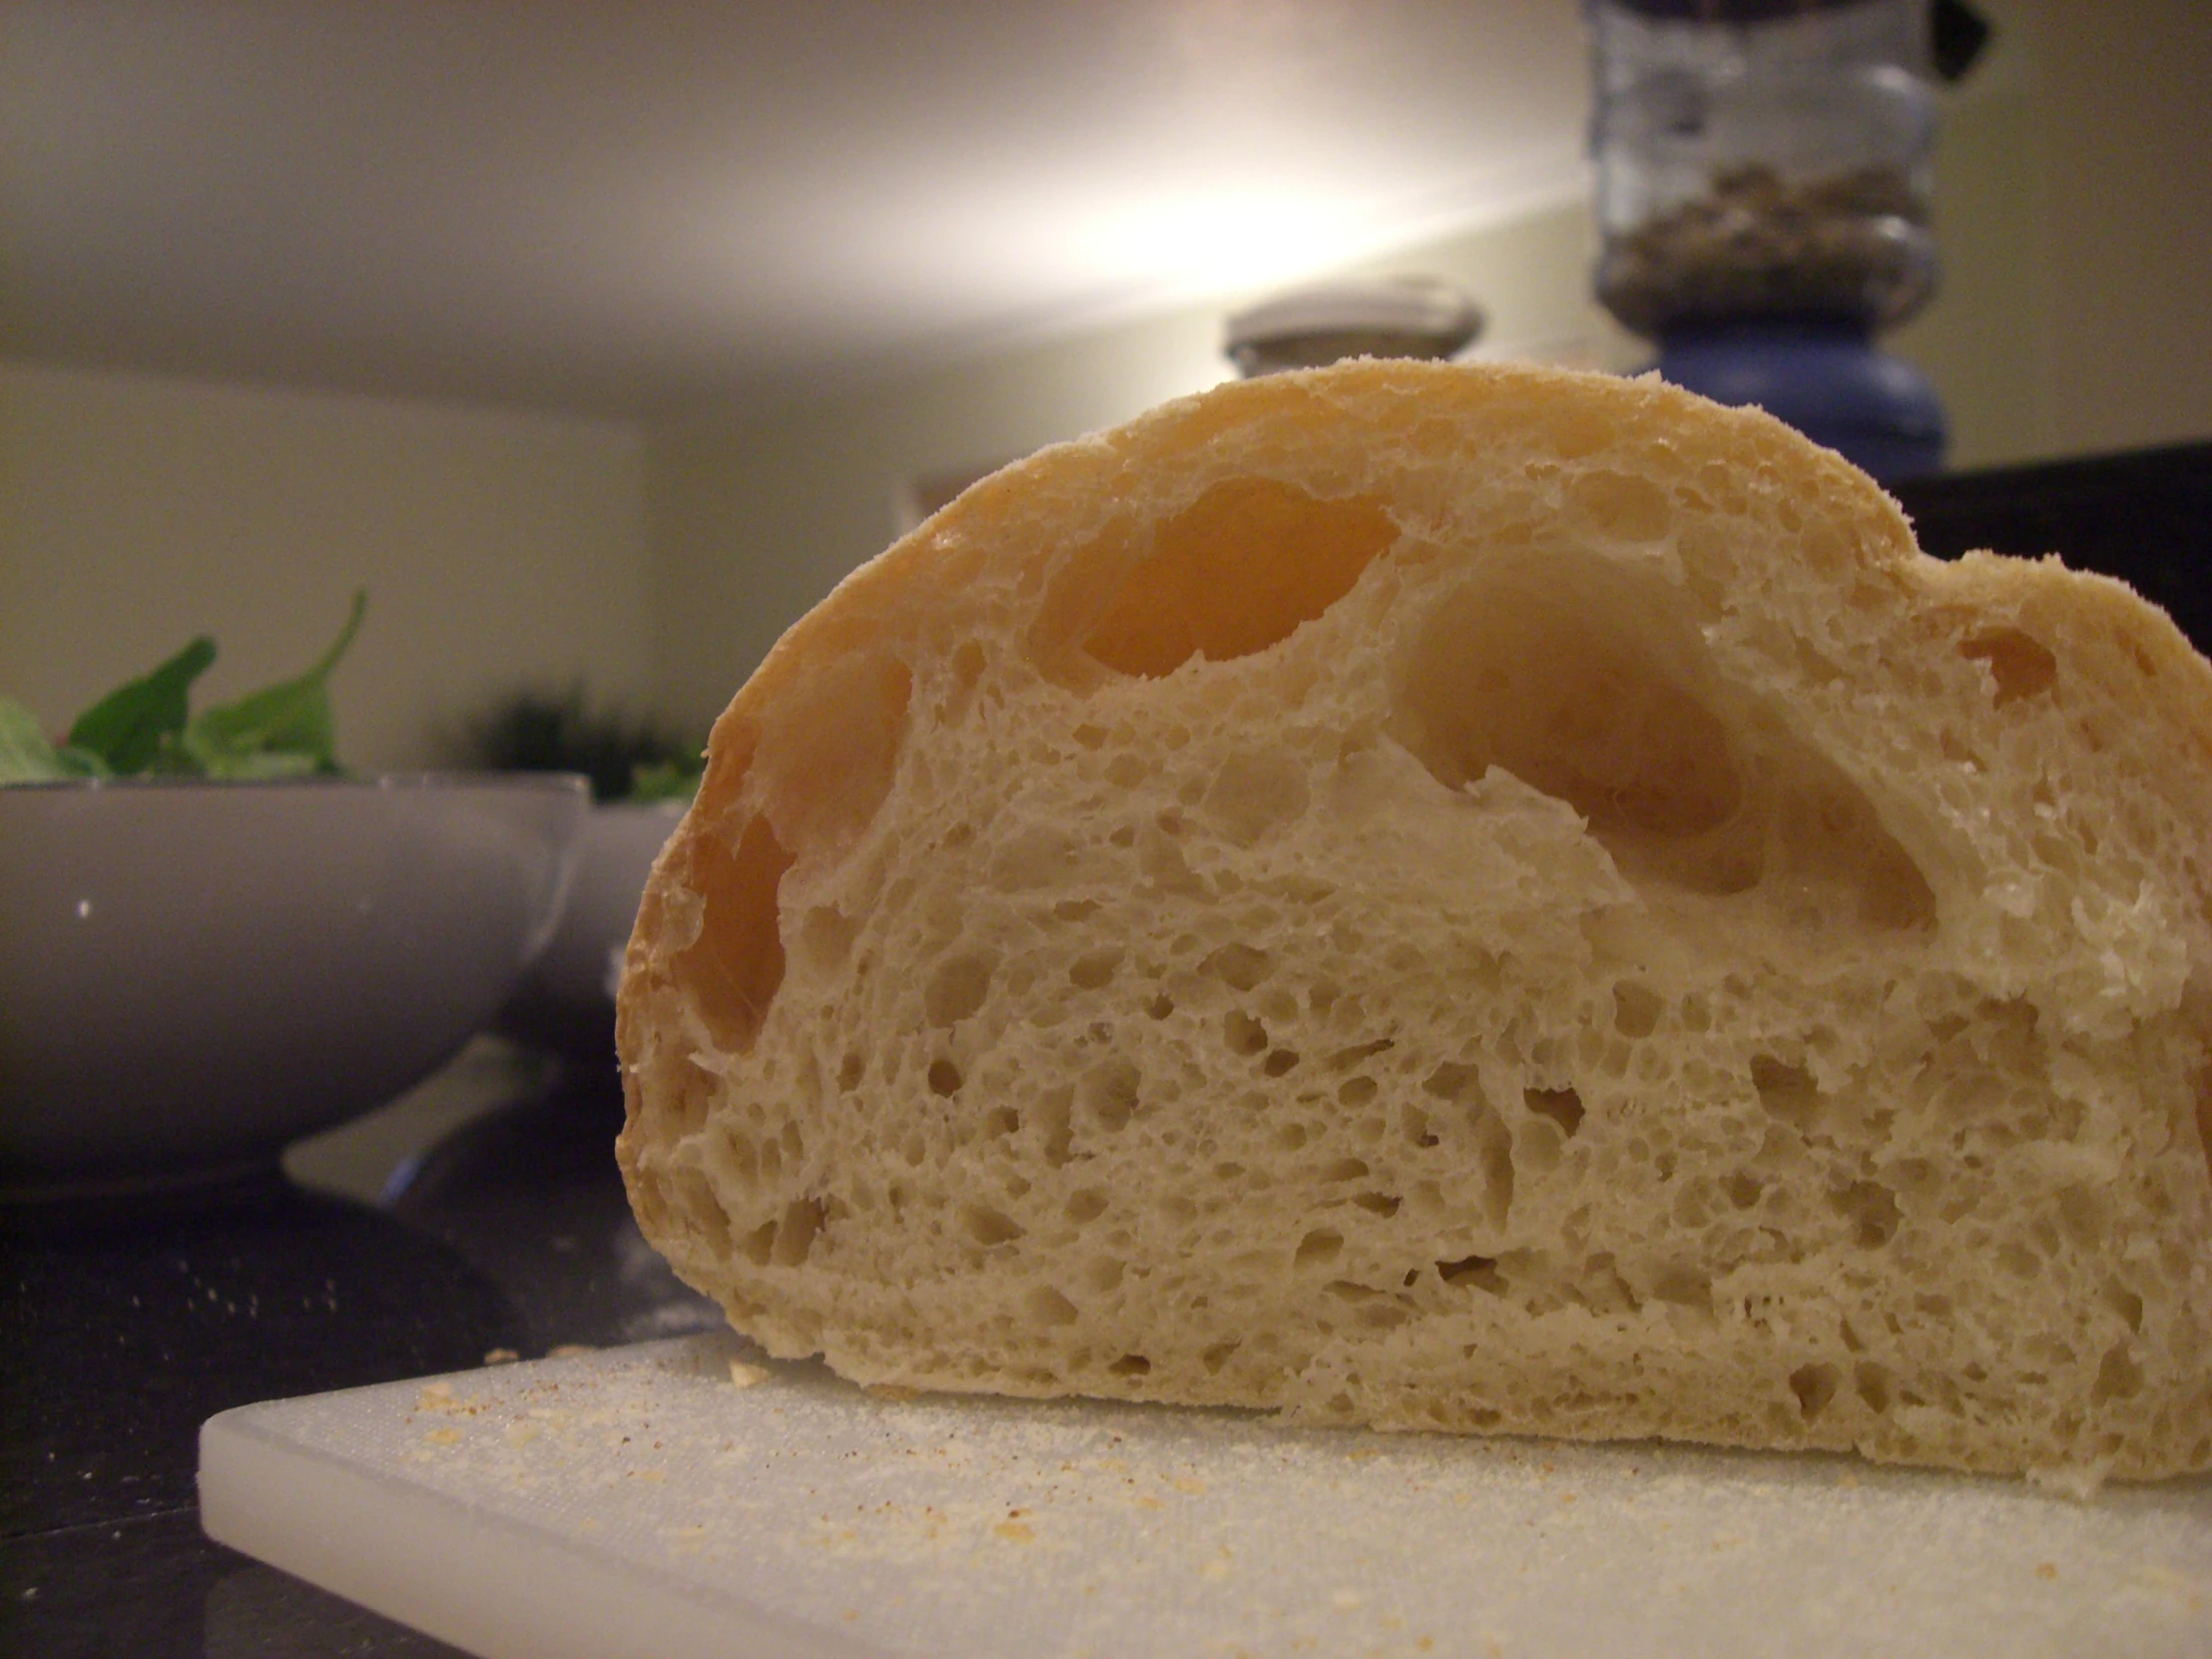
(468, 1577)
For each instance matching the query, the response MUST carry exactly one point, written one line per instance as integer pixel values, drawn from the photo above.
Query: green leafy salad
(146, 727)
(626, 758)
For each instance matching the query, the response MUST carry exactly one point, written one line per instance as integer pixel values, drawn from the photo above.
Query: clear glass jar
(1763, 160)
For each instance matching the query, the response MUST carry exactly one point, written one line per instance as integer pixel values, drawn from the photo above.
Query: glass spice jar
(1764, 179)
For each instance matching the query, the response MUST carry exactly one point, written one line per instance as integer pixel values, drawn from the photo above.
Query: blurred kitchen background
(596, 342)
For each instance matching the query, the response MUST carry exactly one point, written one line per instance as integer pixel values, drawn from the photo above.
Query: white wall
(2074, 218)
(2126, 220)
(497, 548)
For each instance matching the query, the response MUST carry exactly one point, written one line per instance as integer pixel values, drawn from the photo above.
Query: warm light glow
(1217, 242)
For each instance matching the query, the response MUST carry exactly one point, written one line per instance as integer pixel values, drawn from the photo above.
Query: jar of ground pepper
(1764, 179)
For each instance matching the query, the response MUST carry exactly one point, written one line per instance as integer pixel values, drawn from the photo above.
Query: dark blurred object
(2145, 517)
(1956, 34)
(536, 731)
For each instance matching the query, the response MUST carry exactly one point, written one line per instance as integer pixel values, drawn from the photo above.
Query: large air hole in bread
(1573, 678)
(800, 789)
(1589, 683)
(732, 970)
(1233, 573)
(1457, 898)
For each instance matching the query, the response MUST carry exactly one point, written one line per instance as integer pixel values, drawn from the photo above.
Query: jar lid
(1388, 317)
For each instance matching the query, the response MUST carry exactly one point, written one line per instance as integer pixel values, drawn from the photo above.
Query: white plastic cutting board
(686, 1498)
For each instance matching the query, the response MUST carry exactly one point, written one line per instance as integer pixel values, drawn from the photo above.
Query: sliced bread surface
(1455, 898)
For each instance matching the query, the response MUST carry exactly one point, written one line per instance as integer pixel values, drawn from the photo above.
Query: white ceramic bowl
(192, 974)
(614, 855)
(568, 999)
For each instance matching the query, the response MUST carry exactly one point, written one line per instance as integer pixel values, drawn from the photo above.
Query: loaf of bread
(1466, 898)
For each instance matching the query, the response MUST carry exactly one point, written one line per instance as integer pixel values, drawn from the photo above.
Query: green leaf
(125, 729)
(25, 755)
(81, 763)
(263, 763)
(652, 781)
(291, 720)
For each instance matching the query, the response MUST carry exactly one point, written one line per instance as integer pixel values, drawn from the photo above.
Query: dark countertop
(125, 1329)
